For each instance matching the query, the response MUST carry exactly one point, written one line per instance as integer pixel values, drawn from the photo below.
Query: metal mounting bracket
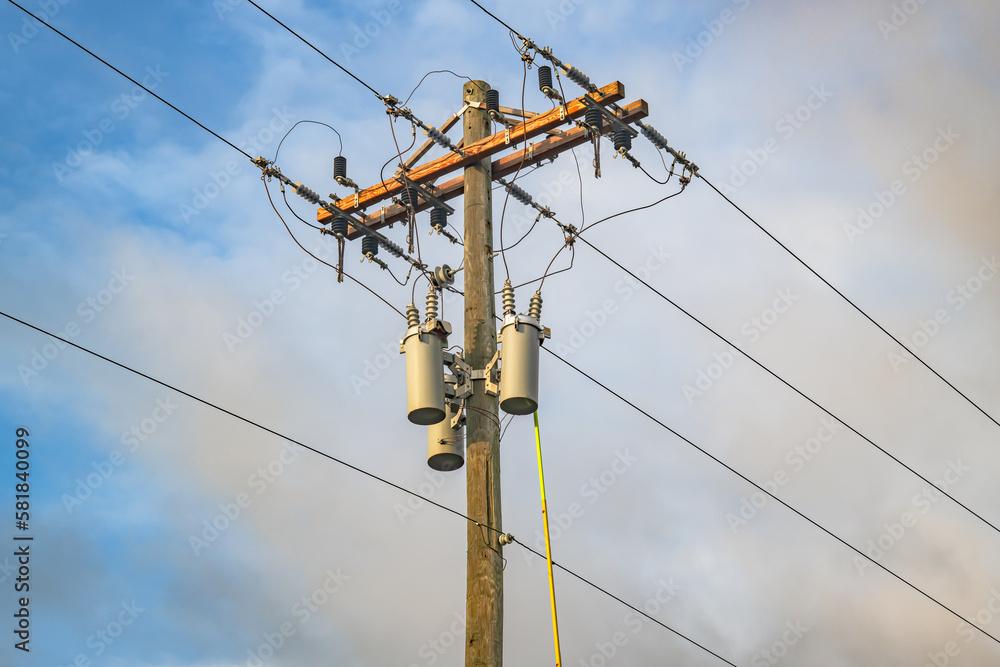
(491, 374)
(615, 120)
(464, 375)
(424, 192)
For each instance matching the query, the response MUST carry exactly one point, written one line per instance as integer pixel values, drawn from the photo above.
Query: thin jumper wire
(844, 297)
(105, 62)
(344, 273)
(524, 155)
(548, 544)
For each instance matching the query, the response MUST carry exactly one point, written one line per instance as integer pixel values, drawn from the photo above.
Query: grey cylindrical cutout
(445, 445)
(424, 376)
(521, 338)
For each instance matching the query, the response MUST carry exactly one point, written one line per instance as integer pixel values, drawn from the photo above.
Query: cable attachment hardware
(569, 233)
(508, 299)
(505, 538)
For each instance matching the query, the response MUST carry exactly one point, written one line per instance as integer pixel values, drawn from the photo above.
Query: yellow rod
(548, 545)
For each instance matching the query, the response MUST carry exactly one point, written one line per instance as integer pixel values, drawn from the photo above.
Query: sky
(862, 136)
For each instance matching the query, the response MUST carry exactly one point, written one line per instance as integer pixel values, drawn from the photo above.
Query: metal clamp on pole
(491, 374)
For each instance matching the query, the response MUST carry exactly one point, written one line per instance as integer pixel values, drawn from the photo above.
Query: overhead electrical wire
(106, 63)
(247, 420)
(463, 516)
(848, 300)
(568, 363)
(769, 494)
(578, 235)
(344, 273)
(788, 384)
(314, 48)
(630, 606)
(805, 264)
(344, 463)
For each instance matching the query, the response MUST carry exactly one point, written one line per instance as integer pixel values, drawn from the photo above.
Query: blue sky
(862, 135)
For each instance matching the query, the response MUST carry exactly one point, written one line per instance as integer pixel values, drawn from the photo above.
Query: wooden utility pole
(484, 587)
(484, 592)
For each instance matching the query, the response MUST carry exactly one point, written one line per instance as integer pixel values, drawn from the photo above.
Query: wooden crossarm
(505, 166)
(435, 169)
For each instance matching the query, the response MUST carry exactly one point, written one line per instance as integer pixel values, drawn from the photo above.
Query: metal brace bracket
(506, 135)
(491, 374)
(615, 120)
(531, 151)
(424, 192)
(463, 375)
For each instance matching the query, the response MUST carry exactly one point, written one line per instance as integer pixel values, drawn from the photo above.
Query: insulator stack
(655, 137)
(576, 76)
(439, 218)
(339, 225)
(493, 101)
(309, 195)
(535, 307)
(411, 197)
(594, 118)
(518, 193)
(545, 79)
(432, 305)
(623, 140)
(339, 168)
(412, 316)
(508, 299)
(393, 249)
(369, 246)
(438, 137)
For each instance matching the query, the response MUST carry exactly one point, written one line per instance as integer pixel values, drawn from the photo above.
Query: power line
(496, 18)
(763, 490)
(630, 606)
(801, 261)
(788, 384)
(313, 47)
(845, 298)
(105, 62)
(355, 468)
(340, 270)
